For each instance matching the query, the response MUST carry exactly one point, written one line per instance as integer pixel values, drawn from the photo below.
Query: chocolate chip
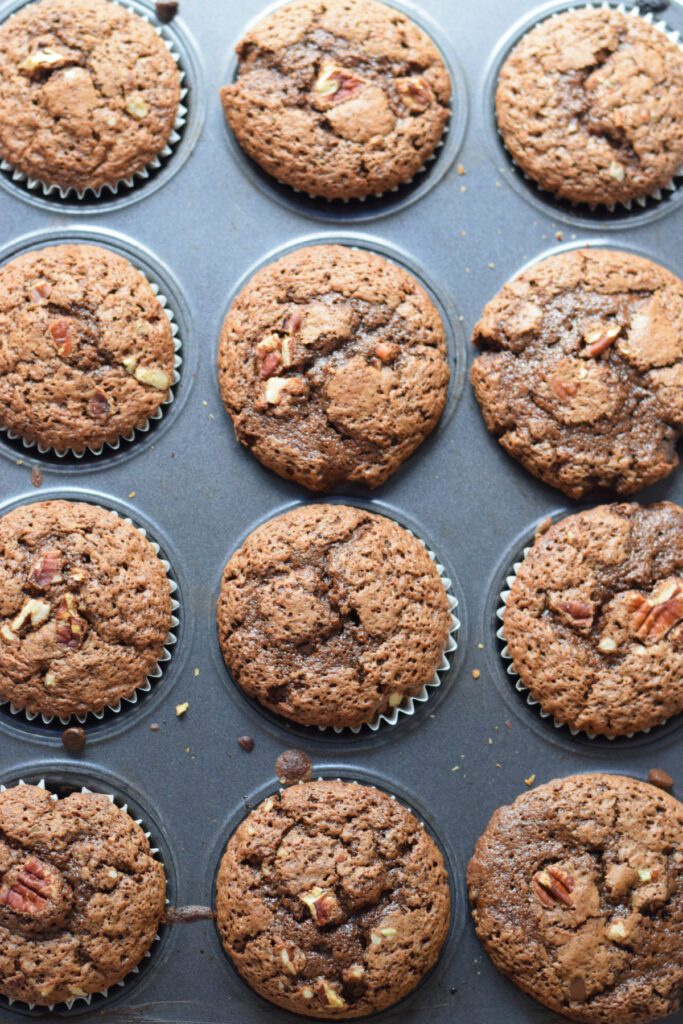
(246, 743)
(166, 11)
(658, 777)
(36, 476)
(293, 766)
(577, 990)
(74, 739)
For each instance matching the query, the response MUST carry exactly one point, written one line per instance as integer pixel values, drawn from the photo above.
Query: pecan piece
(328, 995)
(578, 614)
(293, 959)
(35, 611)
(31, 890)
(652, 618)
(46, 569)
(43, 59)
(62, 337)
(269, 354)
(337, 81)
(70, 626)
(323, 906)
(415, 93)
(293, 322)
(553, 886)
(600, 338)
(40, 292)
(564, 389)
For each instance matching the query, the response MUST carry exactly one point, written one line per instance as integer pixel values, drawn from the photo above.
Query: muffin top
(88, 92)
(330, 615)
(594, 619)
(581, 372)
(85, 608)
(87, 349)
(341, 98)
(81, 895)
(333, 366)
(332, 900)
(577, 895)
(590, 105)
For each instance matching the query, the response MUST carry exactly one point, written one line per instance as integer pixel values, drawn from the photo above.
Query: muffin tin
(197, 226)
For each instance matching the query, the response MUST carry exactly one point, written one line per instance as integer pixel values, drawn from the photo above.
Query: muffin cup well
(104, 993)
(147, 683)
(52, 190)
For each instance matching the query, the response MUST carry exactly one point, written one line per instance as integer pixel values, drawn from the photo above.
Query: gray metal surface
(200, 225)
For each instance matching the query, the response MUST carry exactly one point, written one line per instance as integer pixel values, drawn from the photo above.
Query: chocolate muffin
(590, 105)
(340, 99)
(85, 608)
(333, 902)
(594, 619)
(88, 93)
(333, 366)
(87, 352)
(581, 372)
(330, 615)
(577, 895)
(81, 895)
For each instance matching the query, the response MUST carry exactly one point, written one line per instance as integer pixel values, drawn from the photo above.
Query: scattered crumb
(132, 494)
(461, 169)
(187, 750)
(498, 765)
(20, 462)
(559, 236)
(480, 646)
(530, 781)
(36, 476)
(463, 233)
(180, 709)
(196, 671)
(497, 184)
(508, 723)
(463, 188)
(154, 727)
(544, 526)
(492, 266)
(456, 768)
(467, 270)
(475, 673)
(490, 742)
(205, 403)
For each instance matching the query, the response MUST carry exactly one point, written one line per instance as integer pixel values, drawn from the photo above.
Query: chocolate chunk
(74, 739)
(658, 777)
(293, 766)
(246, 742)
(167, 11)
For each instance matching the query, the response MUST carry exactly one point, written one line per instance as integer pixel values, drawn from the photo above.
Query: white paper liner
(519, 685)
(135, 970)
(143, 428)
(181, 117)
(671, 186)
(146, 685)
(391, 716)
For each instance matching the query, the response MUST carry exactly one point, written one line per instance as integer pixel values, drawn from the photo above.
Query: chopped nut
(30, 889)
(388, 933)
(617, 171)
(268, 352)
(99, 406)
(600, 338)
(50, 679)
(307, 992)
(130, 362)
(75, 990)
(180, 709)
(8, 636)
(293, 322)
(329, 996)
(40, 292)
(607, 644)
(336, 81)
(293, 959)
(356, 972)
(62, 337)
(273, 388)
(375, 938)
(70, 626)
(46, 58)
(137, 107)
(323, 906)
(653, 617)
(645, 875)
(113, 873)
(46, 569)
(156, 378)
(415, 93)
(395, 699)
(285, 352)
(616, 930)
(36, 610)
(577, 611)
(386, 353)
(564, 389)
(660, 778)
(553, 886)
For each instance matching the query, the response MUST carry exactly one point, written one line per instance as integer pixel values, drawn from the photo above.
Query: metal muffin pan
(200, 224)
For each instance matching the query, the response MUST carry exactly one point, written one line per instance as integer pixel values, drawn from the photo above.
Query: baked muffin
(577, 896)
(330, 616)
(581, 372)
(81, 895)
(594, 618)
(333, 902)
(85, 608)
(333, 366)
(590, 105)
(87, 349)
(88, 93)
(340, 99)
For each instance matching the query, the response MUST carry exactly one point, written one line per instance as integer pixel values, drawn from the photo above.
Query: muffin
(87, 353)
(329, 615)
(581, 372)
(81, 896)
(333, 366)
(85, 608)
(594, 618)
(577, 896)
(88, 93)
(332, 900)
(590, 105)
(340, 99)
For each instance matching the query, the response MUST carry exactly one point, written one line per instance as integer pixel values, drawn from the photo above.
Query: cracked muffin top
(330, 615)
(86, 349)
(590, 105)
(81, 895)
(332, 900)
(88, 92)
(341, 99)
(594, 619)
(85, 608)
(592, 924)
(581, 372)
(333, 366)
